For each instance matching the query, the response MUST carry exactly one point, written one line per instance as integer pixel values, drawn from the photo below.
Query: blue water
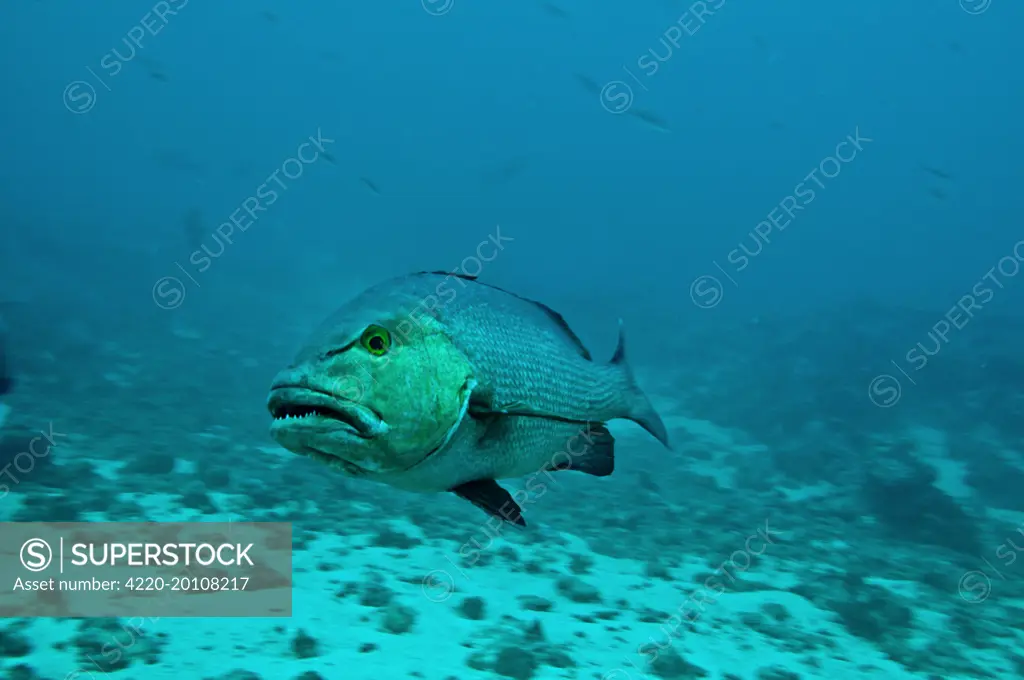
(807, 214)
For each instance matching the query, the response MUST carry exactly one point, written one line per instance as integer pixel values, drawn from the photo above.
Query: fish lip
(362, 420)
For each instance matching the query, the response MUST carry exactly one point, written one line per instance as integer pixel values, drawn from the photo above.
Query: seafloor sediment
(801, 528)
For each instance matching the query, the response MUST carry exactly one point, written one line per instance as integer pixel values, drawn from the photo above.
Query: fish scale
(531, 361)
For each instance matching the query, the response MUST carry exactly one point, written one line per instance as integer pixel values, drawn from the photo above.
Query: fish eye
(376, 340)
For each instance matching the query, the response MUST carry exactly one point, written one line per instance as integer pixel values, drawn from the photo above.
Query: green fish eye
(376, 340)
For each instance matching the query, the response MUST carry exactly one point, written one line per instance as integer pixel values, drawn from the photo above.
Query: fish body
(435, 382)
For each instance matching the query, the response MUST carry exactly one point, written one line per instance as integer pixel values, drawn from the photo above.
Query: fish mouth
(295, 405)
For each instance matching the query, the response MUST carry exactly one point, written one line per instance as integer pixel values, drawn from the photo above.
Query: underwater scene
(526, 340)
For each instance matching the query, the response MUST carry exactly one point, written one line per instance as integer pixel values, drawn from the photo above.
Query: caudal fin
(640, 409)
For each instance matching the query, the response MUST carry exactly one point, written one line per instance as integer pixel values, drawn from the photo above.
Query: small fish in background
(506, 172)
(647, 117)
(270, 17)
(484, 386)
(650, 119)
(371, 185)
(764, 46)
(936, 172)
(588, 84)
(192, 224)
(155, 69)
(937, 193)
(553, 10)
(329, 157)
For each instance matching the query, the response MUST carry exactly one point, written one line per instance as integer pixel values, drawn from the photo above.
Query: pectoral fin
(483, 404)
(490, 497)
(598, 455)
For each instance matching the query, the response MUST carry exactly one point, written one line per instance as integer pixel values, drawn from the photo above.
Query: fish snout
(293, 376)
(348, 386)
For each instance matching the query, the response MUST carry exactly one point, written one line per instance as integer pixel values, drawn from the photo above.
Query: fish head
(372, 392)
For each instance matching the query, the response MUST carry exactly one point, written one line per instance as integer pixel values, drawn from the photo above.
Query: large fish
(435, 382)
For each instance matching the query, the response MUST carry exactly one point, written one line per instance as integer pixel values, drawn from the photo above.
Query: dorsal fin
(552, 314)
(564, 325)
(468, 277)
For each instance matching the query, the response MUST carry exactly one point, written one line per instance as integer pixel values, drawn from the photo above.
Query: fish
(506, 172)
(646, 116)
(650, 118)
(936, 172)
(371, 185)
(553, 10)
(588, 83)
(155, 69)
(193, 227)
(436, 382)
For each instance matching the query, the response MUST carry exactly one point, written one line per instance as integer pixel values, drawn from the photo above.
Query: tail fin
(640, 409)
